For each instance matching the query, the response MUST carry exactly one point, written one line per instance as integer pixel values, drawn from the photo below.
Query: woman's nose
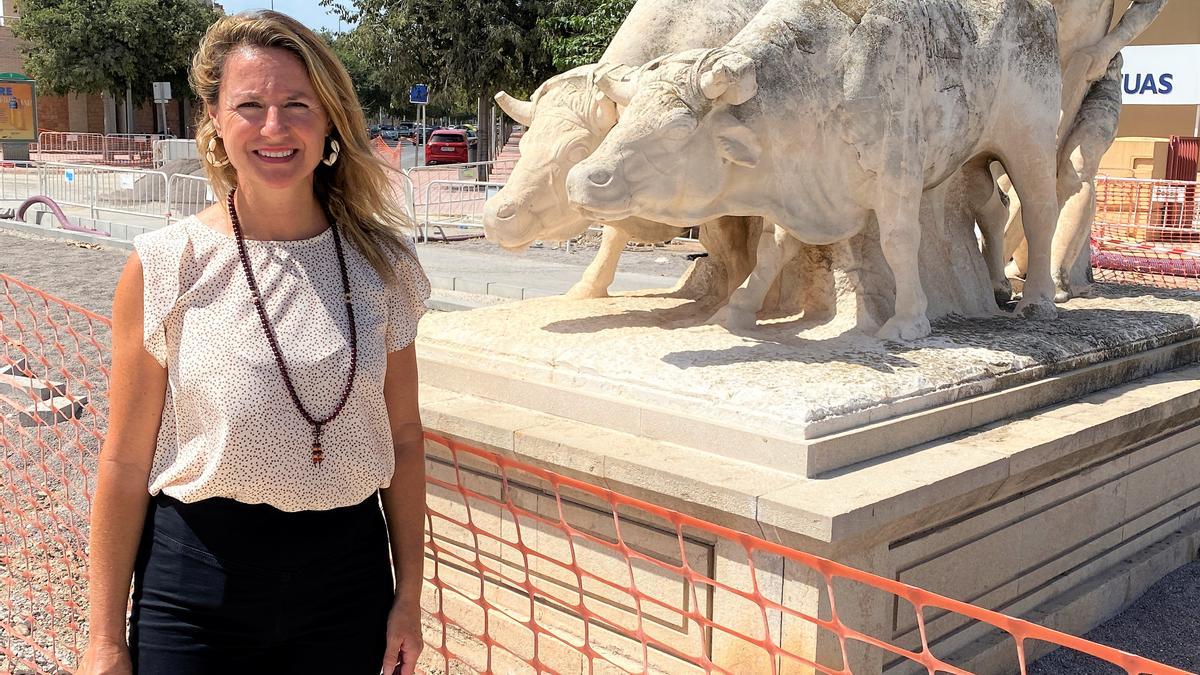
(273, 124)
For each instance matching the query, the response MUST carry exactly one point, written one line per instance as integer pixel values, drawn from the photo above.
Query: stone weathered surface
(795, 396)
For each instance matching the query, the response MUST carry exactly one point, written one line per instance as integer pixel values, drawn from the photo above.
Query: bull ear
(735, 141)
(521, 111)
(618, 83)
(731, 79)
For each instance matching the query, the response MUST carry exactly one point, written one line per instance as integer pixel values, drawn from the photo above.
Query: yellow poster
(17, 120)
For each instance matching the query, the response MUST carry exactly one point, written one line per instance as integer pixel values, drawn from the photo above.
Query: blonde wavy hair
(356, 192)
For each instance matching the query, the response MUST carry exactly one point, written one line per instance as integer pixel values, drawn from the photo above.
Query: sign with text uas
(18, 121)
(1161, 75)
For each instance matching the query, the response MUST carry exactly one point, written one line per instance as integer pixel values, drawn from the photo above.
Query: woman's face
(269, 118)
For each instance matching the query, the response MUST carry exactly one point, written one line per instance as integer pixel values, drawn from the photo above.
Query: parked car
(389, 133)
(446, 146)
(373, 130)
(405, 130)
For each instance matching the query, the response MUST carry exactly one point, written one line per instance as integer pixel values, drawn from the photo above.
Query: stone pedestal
(1047, 471)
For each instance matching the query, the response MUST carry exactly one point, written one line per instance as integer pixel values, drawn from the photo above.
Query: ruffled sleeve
(406, 298)
(161, 254)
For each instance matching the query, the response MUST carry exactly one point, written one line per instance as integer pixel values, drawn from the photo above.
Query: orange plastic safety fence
(526, 570)
(532, 571)
(54, 360)
(1146, 232)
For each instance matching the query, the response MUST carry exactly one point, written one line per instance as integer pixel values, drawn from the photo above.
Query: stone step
(17, 386)
(19, 367)
(52, 411)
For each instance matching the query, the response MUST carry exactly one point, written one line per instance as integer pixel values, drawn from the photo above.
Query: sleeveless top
(229, 428)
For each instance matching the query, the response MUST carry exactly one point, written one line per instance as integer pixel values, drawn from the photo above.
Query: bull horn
(520, 111)
(731, 79)
(619, 84)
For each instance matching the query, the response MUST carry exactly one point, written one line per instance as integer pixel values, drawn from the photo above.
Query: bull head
(520, 111)
(730, 78)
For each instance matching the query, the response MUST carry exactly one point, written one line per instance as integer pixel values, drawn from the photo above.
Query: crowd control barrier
(526, 570)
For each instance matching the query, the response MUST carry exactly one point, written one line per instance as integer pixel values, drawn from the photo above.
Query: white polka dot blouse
(229, 428)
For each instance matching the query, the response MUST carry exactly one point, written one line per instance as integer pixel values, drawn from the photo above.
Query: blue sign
(419, 94)
(69, 175)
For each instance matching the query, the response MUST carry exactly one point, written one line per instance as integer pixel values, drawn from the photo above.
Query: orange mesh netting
(1146, 232)
(53, 414)
(526, 570)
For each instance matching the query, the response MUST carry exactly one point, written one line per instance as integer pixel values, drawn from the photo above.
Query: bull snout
(503, 225)
(598, 191)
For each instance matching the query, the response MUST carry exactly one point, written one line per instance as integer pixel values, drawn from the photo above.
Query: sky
(308, 12)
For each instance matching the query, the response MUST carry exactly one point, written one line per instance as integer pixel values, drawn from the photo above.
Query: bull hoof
(582, 291)
(1062, 294)
(1003, 294)
(903, 330)
(734, 320)
(1041, 309)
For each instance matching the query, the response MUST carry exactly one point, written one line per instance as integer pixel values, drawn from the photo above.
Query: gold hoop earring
(334, 149)
(211, 154)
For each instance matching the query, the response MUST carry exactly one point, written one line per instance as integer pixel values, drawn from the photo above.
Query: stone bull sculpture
(567, 118)
(818, 123)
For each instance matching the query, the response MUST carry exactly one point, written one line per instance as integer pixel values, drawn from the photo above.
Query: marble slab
(793, 395)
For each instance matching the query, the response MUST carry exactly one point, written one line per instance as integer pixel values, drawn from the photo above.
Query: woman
(264, 388)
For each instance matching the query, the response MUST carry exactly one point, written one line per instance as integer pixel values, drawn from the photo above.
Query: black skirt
(223, 587)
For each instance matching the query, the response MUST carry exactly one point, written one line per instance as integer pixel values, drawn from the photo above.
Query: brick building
(86, 113)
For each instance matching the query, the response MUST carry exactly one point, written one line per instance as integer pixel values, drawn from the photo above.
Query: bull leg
(600, 274)
(1031, 165)
(1074, 223)
(991, 213)
(900, 238)
(774, 252)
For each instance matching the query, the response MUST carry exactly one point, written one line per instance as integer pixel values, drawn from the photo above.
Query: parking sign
(419, 94)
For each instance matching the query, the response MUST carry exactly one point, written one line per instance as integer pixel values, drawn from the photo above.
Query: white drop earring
(211, 155)
(334, 149)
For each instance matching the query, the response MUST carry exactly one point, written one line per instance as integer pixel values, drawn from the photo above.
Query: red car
(446, 146)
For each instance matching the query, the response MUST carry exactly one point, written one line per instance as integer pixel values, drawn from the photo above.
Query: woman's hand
(105, 657)
(404, 642)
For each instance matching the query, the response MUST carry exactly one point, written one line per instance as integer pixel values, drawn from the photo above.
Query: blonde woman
(262, 482)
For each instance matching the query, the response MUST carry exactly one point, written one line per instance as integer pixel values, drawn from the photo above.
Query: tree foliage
(474, 45)
(578, 31)
(91, 46)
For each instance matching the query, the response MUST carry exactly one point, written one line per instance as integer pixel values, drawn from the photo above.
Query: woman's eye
(249, 104)
(297, 104)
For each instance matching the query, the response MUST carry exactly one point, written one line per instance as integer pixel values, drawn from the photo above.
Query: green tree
(472, 46)
(93, 46)
(578, 31)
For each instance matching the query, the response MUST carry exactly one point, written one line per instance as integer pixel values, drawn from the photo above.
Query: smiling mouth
(275, 154)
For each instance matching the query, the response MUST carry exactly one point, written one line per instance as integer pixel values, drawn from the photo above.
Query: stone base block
(1052, 489)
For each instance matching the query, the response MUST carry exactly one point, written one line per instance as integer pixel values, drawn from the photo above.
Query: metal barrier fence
(188, 195)
(105, 189)
(1147, 232)
(453, 204)
(131, 150)
(526, 570)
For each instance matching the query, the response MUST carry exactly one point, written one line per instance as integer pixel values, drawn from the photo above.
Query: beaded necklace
(318, 453)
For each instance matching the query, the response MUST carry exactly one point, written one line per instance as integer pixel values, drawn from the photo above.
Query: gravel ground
(1164, 624)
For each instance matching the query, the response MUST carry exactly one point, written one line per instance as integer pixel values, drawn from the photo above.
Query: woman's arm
(137, 389)
(404, 508)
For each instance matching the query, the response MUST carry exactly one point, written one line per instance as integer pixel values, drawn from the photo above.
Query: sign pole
(419, 94)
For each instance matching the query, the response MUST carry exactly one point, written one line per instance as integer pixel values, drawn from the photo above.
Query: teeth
(286, 153)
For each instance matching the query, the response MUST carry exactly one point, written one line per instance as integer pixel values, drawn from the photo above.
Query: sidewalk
(463, 275)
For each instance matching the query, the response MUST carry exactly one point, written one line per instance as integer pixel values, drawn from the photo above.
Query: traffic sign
(419, 94)
(162, 92)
